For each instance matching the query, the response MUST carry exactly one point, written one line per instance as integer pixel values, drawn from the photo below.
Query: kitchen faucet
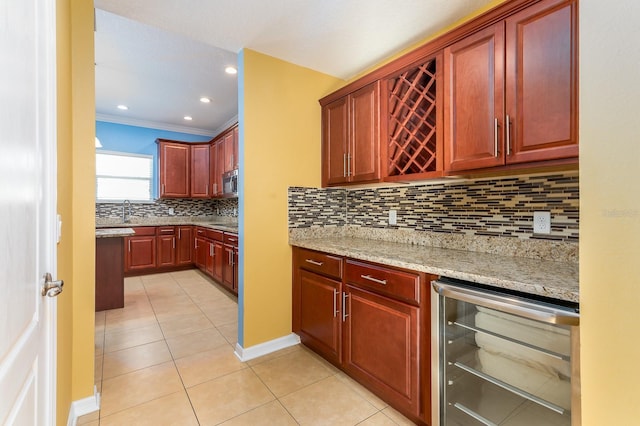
(127, 217)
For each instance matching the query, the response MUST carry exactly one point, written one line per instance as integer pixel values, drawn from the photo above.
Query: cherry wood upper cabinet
(364, 159)
(335, 144)
(511, 90)
(174, 169)
(230, 143)
(200, 170)
(351, 137)
(474, 100)
(541, 82)
(236, 143)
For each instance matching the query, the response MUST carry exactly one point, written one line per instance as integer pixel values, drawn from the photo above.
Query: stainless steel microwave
(230, 183)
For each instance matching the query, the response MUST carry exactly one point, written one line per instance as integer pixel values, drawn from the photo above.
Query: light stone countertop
(114, 232)
(558, 280)
(211, 222)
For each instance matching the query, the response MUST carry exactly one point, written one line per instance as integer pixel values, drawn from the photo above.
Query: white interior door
(27, 211)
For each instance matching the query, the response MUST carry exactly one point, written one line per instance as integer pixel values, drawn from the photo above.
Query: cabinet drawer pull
(313, 262)
(375, 280)
(508, 134)
(344, 307)
(495, 137)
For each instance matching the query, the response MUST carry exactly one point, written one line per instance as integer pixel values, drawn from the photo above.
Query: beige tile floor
(167, 358)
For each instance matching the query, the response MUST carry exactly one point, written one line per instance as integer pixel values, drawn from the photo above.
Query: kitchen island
(110, 267)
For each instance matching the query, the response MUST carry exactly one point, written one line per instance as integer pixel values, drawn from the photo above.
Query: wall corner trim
(246, 354)
(83, 406)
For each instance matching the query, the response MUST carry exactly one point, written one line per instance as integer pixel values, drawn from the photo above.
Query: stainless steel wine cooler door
(502, 359)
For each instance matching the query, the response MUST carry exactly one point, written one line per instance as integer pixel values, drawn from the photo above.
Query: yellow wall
(280, 147)
(609, 212)
(76, 204)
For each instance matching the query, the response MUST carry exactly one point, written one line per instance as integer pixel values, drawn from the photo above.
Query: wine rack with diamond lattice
(413, 121)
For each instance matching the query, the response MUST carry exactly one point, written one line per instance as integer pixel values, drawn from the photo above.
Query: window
(123, 176)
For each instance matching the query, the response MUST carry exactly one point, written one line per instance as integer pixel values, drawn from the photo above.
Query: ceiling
(159, 57)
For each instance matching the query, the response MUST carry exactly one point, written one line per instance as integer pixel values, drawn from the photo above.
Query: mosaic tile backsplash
(160, 208)
(497, 207)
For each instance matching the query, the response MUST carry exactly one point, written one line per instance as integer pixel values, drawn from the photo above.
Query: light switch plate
(393, 217)
(541, 222)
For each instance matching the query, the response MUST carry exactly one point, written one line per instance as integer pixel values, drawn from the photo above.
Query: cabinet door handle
(174, 242)
(233, 258)
(210, 250)
(215, 188)
(344, 307)
(129, 246)
(344, 165)
(508, 134)
(179, 233)
(495, 137)
(335, 302)
(348, 165)
(162, 189)
(206, 189)
(375, 280)
(313, 262)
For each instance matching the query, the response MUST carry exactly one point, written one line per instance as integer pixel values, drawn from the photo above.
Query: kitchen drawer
(321, 263)
(201, 232)
(399, 284)
(145, 230)
(165, 230)
(231, 239)
(215, 235)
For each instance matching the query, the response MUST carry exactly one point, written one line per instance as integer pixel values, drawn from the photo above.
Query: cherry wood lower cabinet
(317, 302)
(141, 249)
(159, 249)
(217, 256)
(230, 262)
(184, 244)
(372, 321)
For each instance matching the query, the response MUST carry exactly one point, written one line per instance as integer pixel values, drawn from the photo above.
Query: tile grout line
(184, 388)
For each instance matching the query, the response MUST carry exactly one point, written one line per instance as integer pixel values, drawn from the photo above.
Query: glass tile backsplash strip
(500, 207)
(161, 208)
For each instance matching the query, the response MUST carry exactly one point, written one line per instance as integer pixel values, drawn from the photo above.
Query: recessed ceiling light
(205, 100)
(123, 107)
(230, 70)
(188, 117)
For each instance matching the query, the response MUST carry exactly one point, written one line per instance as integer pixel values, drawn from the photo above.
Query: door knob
(51, 288)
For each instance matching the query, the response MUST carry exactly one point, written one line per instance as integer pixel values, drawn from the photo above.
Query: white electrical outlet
(171, 212)
(541, 222)
(393, 217)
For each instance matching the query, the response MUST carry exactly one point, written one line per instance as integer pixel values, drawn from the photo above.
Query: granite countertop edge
(558, 280)
(205, 222)
(114, 232)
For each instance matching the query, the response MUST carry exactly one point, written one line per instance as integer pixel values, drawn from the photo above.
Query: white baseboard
(245, 354)
(83, 407)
